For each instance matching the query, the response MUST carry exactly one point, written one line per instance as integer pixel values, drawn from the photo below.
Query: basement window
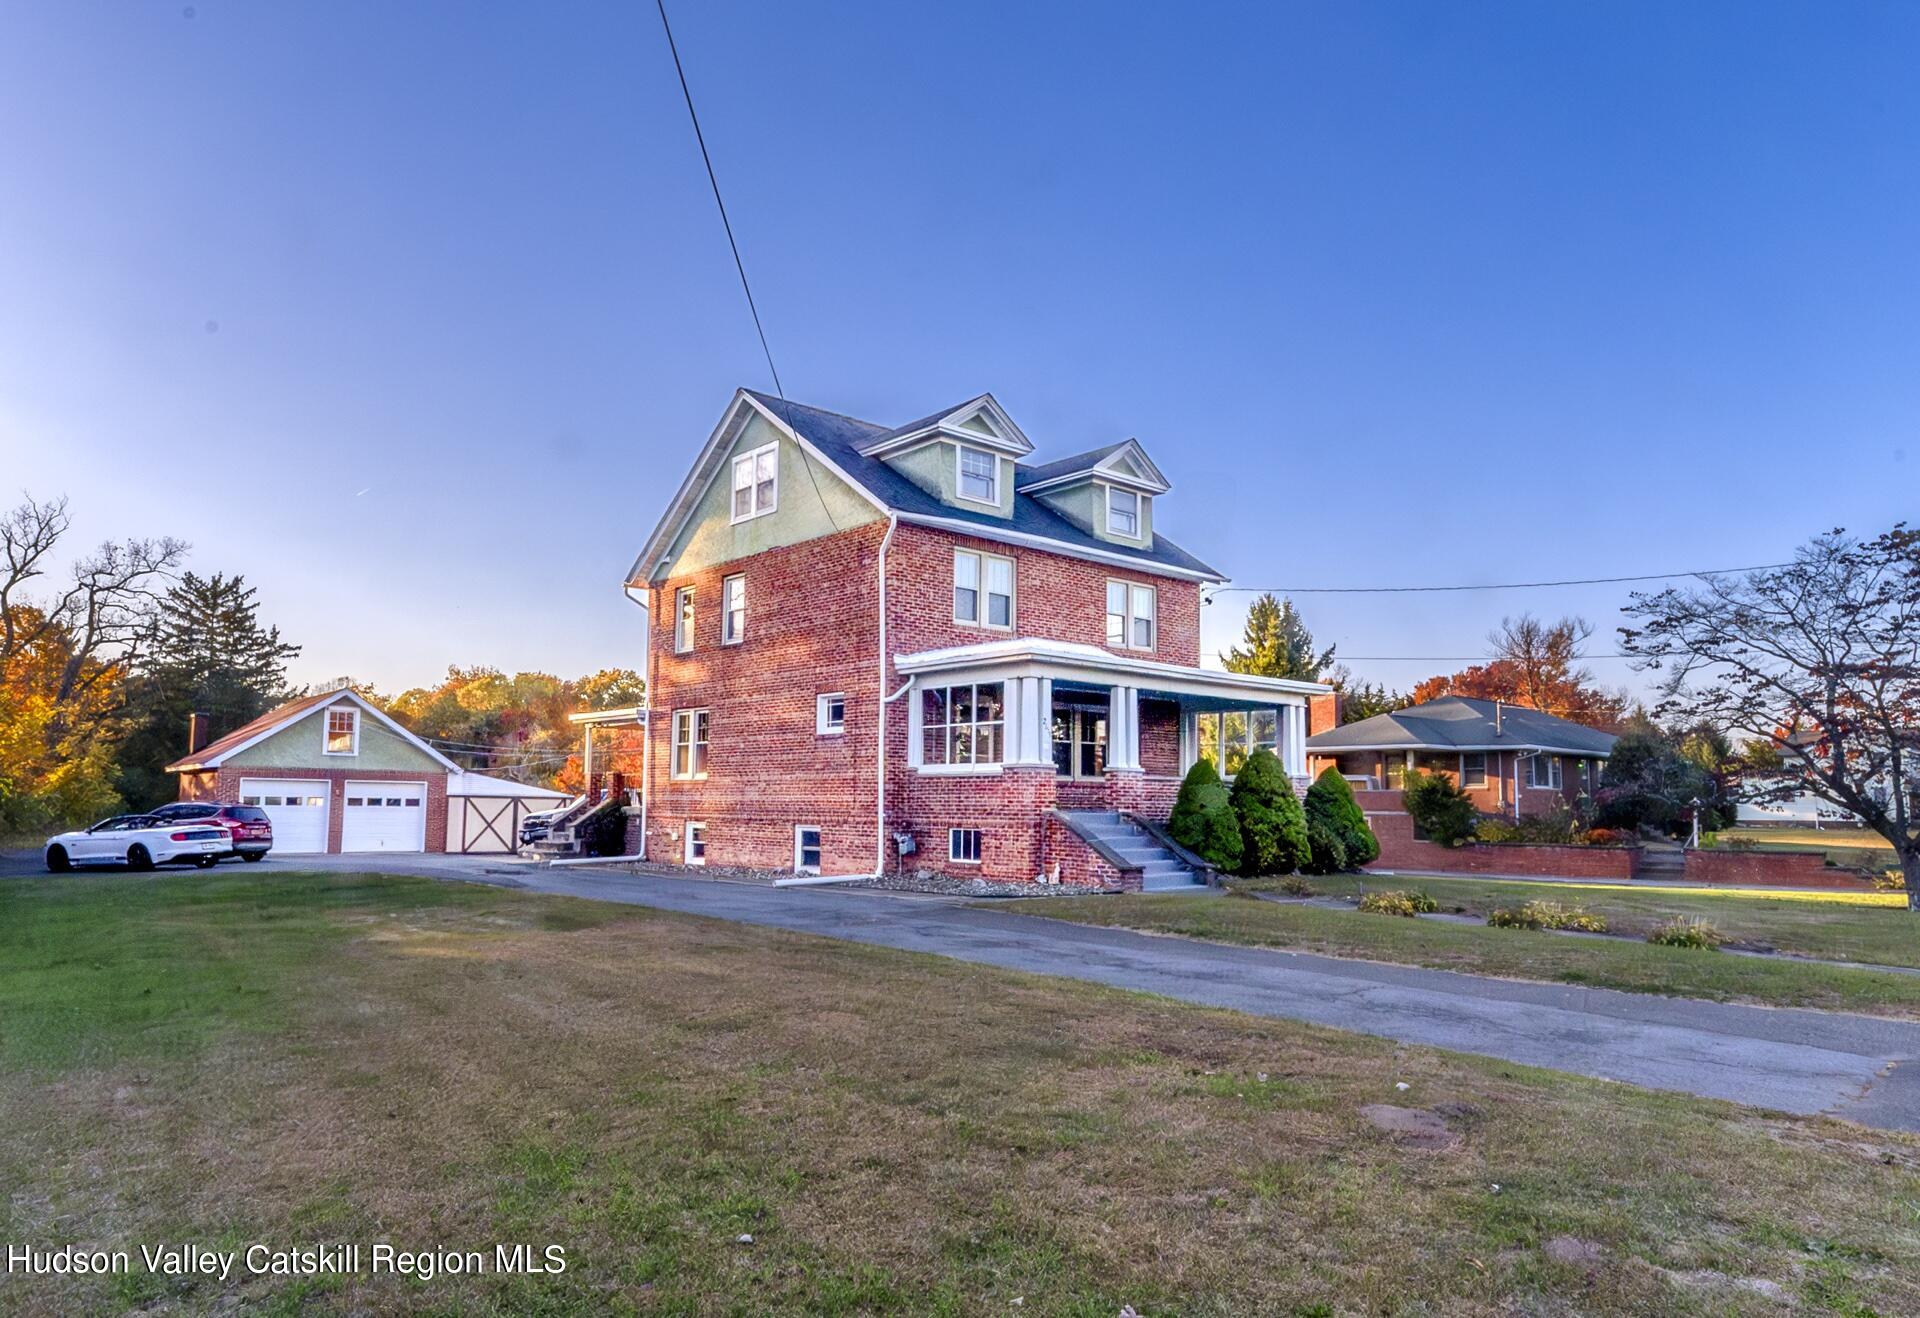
(696, 851)
(806, 849)
(830, 715)
(963, 846)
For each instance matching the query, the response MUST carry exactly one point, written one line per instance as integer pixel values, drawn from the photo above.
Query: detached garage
(333, 772)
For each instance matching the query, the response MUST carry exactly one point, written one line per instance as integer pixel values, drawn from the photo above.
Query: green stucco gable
(299, 747)
(935, 468)
(812, 502)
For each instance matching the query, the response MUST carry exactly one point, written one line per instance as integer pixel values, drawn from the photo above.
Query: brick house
(875, 646)
(1510, 759)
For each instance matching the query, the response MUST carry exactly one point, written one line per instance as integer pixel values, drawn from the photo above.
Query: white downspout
(880, 745)
(646, 743)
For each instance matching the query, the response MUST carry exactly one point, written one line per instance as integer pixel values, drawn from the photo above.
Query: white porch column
(1296, 739)
(1123, 727)
(1029, 717)
(916, 728)
(1013, 740)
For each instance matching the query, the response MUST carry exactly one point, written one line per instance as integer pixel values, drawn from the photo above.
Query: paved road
(1796, 1061)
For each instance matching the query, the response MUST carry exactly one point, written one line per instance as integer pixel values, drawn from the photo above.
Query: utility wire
(713, 179)
(1507, 585)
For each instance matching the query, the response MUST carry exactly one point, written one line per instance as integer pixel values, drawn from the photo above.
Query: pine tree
(1203, 820)
(209, 655)
(1330, 804)
(1277, 644)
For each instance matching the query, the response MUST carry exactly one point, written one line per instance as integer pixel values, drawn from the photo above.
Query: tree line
(103, 660)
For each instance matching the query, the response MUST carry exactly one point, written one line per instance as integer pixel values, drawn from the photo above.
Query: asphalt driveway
(1851, 1066)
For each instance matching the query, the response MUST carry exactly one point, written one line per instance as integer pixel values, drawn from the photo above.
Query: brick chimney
(196, 731)
(1323, 713)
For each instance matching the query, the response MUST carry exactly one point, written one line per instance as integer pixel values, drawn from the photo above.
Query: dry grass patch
(438, 1065)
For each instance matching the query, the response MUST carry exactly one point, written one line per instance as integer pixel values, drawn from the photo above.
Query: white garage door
(298, 811)
(384, 817)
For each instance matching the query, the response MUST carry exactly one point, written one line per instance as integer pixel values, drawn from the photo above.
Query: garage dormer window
(343, 732)
(756, 482)
(1123, 512)
(979, 475)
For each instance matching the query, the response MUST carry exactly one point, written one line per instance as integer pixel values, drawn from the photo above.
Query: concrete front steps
(1160, 869)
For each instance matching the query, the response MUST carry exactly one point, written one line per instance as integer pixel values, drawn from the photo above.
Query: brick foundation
(1079, 865)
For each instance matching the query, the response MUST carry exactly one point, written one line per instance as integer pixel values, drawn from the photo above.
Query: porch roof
(1070, 661)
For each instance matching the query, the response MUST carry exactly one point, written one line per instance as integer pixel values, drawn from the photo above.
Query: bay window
(962, 725)
(982, 589)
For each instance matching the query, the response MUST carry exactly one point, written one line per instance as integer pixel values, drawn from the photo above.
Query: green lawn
(1838, 926)
(230, 1058)
(1855, 847)
(1634, 966)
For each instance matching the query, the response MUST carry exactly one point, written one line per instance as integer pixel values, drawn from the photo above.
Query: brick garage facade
(223, 784)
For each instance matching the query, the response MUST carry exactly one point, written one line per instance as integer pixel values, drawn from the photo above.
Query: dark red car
(251, 829)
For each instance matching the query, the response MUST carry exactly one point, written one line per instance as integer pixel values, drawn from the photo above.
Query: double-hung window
(1473, 769)
(690, 742)
(978, 474)
(1543, 771)
(962, 725)
(982, 589)
(756, 482)
(1132, 615)
(343, 732)
(683, 620)
(1123, 512)
(733, 609)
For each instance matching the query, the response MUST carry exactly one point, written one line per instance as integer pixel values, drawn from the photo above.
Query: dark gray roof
(1079, 462)
(1463, 723)
(840, 439)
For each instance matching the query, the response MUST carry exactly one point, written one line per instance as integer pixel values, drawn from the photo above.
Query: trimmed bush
(1296, 886)
(1684, 931)
(1326, 852)
(1388, 903)
(1273, 827)
(1440, 809)
(1203, 820)
(1330, 802)
(1541, 914)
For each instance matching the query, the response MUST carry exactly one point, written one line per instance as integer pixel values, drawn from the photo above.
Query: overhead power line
(1505, 585)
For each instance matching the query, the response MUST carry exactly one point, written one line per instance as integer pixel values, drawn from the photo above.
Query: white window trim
(959, 770)
(820, 845)
(823, 725)
(686, 846)
(959, 475)
(326, 730)
(1534, 763)
(726, 614)
(753, 511)
(953, 835)
(1139, 513)
(1129, 616)
(673, 745)
(1485, 770)
(980, 591)
(681, 596)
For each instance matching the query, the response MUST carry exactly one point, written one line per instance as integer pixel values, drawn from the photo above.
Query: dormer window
(756, 482)
(1123, 512)
(979, 475)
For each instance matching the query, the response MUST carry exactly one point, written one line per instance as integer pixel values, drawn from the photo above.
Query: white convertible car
(139, 842)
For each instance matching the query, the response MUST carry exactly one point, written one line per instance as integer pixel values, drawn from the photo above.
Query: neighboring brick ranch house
(866, 635)
(335, 773)
(1510, 759)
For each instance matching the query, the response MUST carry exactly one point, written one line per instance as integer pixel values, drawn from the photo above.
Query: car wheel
(58, 862)
(251, 856)
(206, 862)
(139, 858)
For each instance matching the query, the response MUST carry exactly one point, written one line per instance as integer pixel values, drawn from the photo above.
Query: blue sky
(355, 293)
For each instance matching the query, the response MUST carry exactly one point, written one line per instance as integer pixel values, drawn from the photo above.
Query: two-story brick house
(860, 633)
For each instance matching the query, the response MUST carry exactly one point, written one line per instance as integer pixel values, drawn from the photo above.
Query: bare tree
(102, 612)
(1545, 656)
(1821, 661)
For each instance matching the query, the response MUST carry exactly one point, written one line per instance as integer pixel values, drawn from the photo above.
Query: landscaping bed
(712, 1117)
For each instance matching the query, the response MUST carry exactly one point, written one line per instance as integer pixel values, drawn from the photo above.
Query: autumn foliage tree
(516, 726)
(1535, 664)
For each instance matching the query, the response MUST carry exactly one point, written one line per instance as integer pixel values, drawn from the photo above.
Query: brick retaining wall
(1786, 869)
(1400, 850)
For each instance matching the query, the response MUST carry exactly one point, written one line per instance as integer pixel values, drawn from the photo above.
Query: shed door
(297, 809)
(384, 817)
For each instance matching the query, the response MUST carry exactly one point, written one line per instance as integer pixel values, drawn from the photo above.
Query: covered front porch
(1108, 732)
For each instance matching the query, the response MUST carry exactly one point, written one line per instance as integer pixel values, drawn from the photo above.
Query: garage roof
(214, 753)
